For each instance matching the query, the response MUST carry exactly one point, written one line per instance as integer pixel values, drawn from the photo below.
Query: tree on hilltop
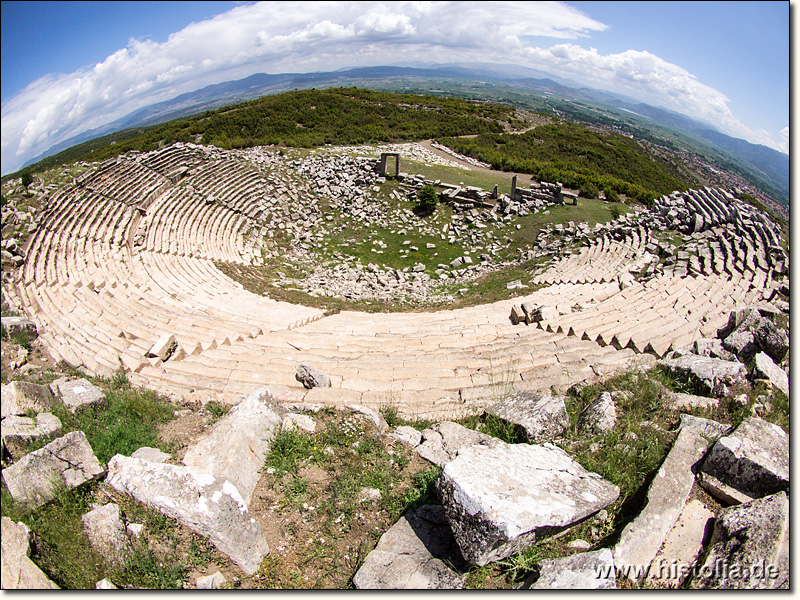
(428, 199)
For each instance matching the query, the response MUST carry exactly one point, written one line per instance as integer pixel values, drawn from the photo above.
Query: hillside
(347, 116)
(758, 166)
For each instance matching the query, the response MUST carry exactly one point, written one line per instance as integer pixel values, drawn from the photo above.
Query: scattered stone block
(766, 368)
(683, 546)
(164, 347)
(65, 462)
(105, 584)
(311, 377)
(18, 397)
(373, 416)
(19, 433)
(78, 393)
(517, 315)
(502, 499)
(714, 374)
(19, 572)
(211, 582)
(600, 416)
(585, 571)
(713, 348)
(537, 417)
(442, 442)
(417, 552)
(151, 454)
(753, 460)
(106, 532)
(642, 538)
(238, 444)
(294, 421)
(749, 547)
(408, 435)
(206, 504)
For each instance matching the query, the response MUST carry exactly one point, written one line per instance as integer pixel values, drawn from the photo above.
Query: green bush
(428, 199)
(590, 190)
(612, 195)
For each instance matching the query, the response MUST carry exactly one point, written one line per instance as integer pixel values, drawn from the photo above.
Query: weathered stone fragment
(20, 432)
(501, 499)
(742, 344)
(754, 459)
(18, 571)
(106, 532)
(164, 347)
(715, 374)
(442, 442)
(211, 582)
(238, 444)
(373, 416)
(151, 454)
(773, 341)
(207, 505)
(65, 462)
(18, 397)
(537, 417)
(293, 421)
(584, 571)
(712, 347)
(77, 393)
(409, 435)
(600, 416)
(641, 539)
(766, 368)
(105, 584)
(417, 552)
(311, 377)
(683, 546)
(748, 549)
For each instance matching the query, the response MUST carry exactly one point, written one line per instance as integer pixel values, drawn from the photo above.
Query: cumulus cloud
(276, 37)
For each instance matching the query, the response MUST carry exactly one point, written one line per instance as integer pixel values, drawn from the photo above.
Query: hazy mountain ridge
(760, 161)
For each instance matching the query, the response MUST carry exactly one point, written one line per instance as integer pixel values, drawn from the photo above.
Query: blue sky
(72, 66)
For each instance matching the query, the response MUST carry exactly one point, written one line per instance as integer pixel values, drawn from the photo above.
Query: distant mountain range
(499, 82)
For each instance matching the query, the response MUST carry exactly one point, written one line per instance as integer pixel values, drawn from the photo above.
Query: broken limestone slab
(683, 546)
(18, 433)
(766, 368)
(238, 444)
(749, 547)
(642, 538)
(537, 417)
(206, 504)
(106, 532)
(408, 435)
(715, 374)
(164, 347)
(584, 571)
(19, 572)
(679, 400)
(18, 397)
(753, 460)
(373, 416)
(293, 421)
(151, 454)
(65, 462)
(417, 552)
(442, 442)
(502, 499)
(600, 416)
(76, 393)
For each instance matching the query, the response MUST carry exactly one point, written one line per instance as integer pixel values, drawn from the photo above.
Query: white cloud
(276, 37)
